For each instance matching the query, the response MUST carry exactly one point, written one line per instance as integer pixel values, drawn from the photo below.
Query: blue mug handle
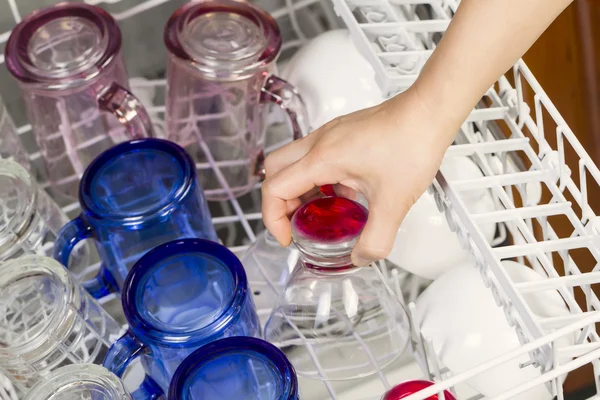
(120, 355)
(68, 237)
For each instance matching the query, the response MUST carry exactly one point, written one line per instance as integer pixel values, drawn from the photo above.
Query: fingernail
(359, 261)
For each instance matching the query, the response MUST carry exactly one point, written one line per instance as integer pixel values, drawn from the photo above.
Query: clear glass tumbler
(134, 197)
(47, 320)
(268, 266)
(178, 297)
(29, 219)
(79, 382)
(235, 368)
(11, 147)
(67, 60)
(334, 320)
(219, 79)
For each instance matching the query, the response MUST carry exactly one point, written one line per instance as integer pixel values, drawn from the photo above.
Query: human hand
(390, 153)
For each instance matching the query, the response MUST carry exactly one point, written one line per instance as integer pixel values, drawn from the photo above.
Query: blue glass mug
(178, 297)
(235, 368)
(134, 197)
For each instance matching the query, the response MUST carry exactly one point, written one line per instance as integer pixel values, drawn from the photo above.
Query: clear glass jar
(29, 219)
(79, 382)
(48, 320)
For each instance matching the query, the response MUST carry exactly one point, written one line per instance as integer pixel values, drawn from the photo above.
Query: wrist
(446, 110)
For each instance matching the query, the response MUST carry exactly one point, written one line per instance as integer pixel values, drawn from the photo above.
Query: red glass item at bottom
(331, 219)
(407, 388)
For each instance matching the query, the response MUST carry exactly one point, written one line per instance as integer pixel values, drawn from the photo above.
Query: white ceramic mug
(425, 245)
(333, 77)
(459, 315)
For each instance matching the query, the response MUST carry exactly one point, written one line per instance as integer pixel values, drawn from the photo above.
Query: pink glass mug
(219, 77)
(67, 60)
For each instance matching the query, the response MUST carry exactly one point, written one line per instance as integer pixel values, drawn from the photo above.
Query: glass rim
(192, 10)
(77, 373)
(19, 63)
(17, 268)
(207, 353)
(146, 331)
(91, 210)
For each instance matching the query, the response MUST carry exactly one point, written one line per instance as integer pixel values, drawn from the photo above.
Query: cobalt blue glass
(134, 197)
(178, 297)
(235, 368)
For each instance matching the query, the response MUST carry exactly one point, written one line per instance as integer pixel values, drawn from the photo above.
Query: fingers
(282, 191)
(288, 154)
(377, 238)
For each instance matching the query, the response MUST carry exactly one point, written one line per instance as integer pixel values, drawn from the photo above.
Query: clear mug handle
(120, 355)
(280, 92)
(128, 109)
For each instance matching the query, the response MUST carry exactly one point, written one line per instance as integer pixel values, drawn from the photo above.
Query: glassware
(178, 297)
(235, 368)
(268, 266)
(67, 60)
(79, 382)
(29, 218)
(11, 147)
(407, 388)
(47, 321)
(219, 78)
(134, 197)
(334, 320)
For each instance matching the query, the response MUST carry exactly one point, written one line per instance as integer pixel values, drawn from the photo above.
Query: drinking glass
(220, 78)
(29, 219)
(67, 60)
(268, 266)
(334, 320)
(11, 147)
(47, 321)
(133, 197)
(235, 368)
(407, 388)
(178, 297)
(79, 382)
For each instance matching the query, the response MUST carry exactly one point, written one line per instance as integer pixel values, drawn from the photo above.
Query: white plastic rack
(537, 170)
(525, 152)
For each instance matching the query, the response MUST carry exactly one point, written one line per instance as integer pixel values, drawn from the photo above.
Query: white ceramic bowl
(425, 245)
(333, 77)
(466, 327)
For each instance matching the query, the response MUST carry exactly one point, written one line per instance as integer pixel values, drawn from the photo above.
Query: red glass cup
(407, 388)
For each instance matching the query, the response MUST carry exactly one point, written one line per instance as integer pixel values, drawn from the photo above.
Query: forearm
(483, 40)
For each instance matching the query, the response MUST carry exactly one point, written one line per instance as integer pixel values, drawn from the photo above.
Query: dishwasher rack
(527, 171)
(537, 170)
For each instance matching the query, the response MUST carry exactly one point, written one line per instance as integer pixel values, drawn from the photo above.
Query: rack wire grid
(539, 174)
(527, 171)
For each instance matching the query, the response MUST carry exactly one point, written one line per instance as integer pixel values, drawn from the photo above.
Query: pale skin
(391, 152)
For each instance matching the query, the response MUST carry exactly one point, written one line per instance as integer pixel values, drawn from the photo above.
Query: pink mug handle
(128, 109)
(285, 95)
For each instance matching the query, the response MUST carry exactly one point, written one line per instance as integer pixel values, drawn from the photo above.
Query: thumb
(386, 213)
